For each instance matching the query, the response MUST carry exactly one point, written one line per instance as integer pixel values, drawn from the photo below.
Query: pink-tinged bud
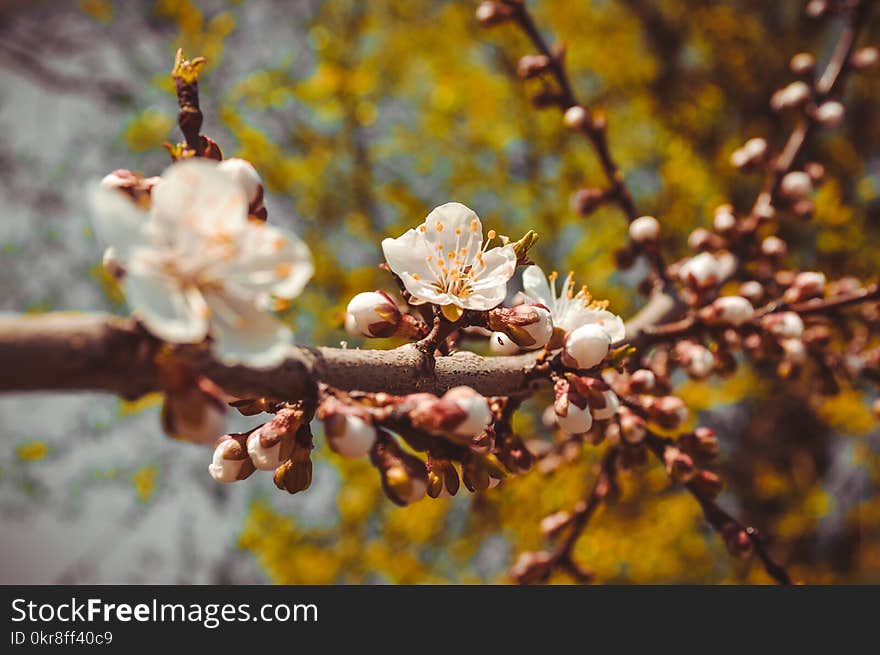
(231, 461)
(679, 466)
(477, 415)
(865, 58)
(530, 66)
(752, 290)
(245, 175)
(816, 8)
(632, 428)
(271, 443)
(586, 201)
(806, 285)
(612, 402)
(528, 326)
(531, 568)
(793, 95)
(576, 117)
(752, 152)
(774, 247)
(796, 185)
(374, 314)
(803, 63)
(349, 435)
(702, 442)
(794, 349)
(645, 229)
(737, 541)
(701, 271)
(585, 347)
(785, 325)
(697, 360)
(668, 411)
(493, 13)
(574, 415)
(734, 310)
(829, 114)
(701, 239)
(707, 483)
(642, 380)
(500, 344)
(553, 524)
(724, 219)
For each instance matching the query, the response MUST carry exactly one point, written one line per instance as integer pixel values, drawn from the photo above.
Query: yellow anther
(439, 226)
(491, 234)
(474, 225)
(415, 276)
(422, 228)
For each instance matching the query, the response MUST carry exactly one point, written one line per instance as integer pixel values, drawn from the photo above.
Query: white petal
(490, 286)
(536, 286)
(117, 220)
(408, 253)
(195, 196)
(427, 292)
(245, 334)
(611, 323)
(269, 260)
(165, 308)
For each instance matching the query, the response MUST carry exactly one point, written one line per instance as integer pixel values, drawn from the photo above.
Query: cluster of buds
(283, 444)
(579, 400)
(527, 326)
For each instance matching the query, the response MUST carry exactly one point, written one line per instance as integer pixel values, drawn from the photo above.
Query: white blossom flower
(444, 261)
(196, 266)
(570, 310)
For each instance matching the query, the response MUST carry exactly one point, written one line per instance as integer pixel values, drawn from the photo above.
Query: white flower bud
(351, 326)
(796, 185)
(245, 175)
(642, 380)
(645, 229)
(806, 285)
(752, 290)
(264, 458)
(500, 344)
(374, 314)
(230, 461)
(701, 271)
(829, 114)
(865, 58)
(735, 310)
(348, 435)
(576, 117)
(786, 325)
(795, 352)
(724, 219)
(542, 329)
(774, 247)
(612, 402)
(476, 408)
(802, 63)
(577, 420)
(699, 239)
(793, 95)
(697, 360)
(585, 347)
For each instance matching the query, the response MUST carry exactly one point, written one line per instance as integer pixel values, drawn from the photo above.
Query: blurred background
(361, 117)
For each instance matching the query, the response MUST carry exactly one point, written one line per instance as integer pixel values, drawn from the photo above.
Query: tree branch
(64, 351)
